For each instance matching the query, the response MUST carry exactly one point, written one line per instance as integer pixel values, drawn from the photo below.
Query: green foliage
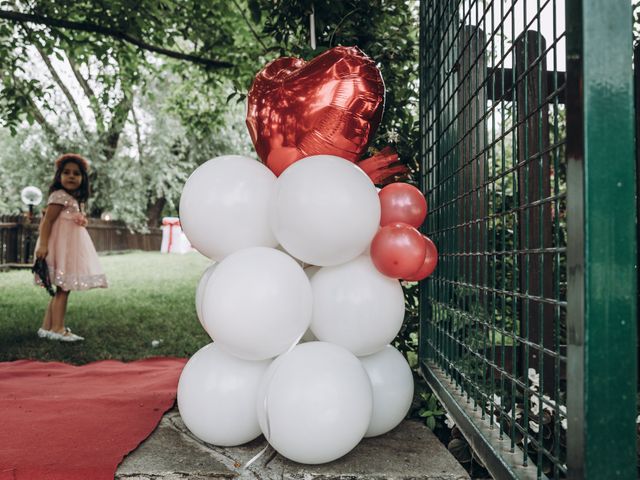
(190, 108)
(215, 30)
(431, 411)
(80, 86)
(25, 159)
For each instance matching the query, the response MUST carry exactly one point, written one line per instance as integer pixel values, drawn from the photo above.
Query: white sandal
(42, 333)
(67, 336)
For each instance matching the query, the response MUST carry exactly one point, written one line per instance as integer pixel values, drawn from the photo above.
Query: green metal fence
(528, 325)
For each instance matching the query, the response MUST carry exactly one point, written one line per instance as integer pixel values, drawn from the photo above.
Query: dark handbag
(41, 269)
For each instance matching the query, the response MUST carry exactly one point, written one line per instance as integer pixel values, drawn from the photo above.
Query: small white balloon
(356, 306)
(216, 396)
(392, 383)
(200, 291)
(325, 210)
(314, 403)
(257, 304)
(224, 206)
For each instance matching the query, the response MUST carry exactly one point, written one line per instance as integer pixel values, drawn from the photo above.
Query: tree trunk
(120, 114)
(154, 212)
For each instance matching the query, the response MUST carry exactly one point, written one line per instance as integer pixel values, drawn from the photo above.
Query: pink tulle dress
(72, 259)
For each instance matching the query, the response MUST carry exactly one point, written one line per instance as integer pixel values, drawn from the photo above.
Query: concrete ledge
(409, 452)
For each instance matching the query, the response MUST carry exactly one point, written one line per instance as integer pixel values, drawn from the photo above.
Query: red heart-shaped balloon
(331, 105)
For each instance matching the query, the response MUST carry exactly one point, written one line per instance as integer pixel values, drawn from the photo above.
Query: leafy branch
(20, 17)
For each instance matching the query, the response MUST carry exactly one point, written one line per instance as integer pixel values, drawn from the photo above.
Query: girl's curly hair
(83, 192)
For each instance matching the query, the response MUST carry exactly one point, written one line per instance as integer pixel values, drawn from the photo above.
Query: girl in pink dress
(65, 244)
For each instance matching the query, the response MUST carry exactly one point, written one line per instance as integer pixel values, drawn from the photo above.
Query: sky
(520, 15)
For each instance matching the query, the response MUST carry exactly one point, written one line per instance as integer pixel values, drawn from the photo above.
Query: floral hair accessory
(84, 163)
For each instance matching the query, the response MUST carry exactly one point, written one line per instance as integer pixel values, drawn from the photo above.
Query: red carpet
(62, 422)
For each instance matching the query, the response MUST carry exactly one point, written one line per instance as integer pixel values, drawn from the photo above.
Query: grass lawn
(151, 296)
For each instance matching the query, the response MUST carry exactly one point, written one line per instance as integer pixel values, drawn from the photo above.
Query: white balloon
(216, 396)
(356, 306)
(200, 291)
(224, 206)
(257, 304)
(392, 383)
(314, 403)
(325, 210)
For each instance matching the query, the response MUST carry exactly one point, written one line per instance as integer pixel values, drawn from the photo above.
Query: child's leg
(46, 322)
(58, 310)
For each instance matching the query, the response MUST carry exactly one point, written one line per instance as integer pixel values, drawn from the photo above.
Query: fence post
(21, 236)
(636, 92)
(472, 131)
(601, 260)
(470, 174)
(29, 238)
(8, 240)
(534, 214)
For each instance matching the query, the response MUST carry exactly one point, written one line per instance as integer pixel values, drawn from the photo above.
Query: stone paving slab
(409, 452)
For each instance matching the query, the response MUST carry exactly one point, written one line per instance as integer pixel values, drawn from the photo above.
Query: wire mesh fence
(495, 175)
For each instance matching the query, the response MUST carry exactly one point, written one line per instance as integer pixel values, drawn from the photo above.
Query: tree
(112, 50)
(164, 151)
(25, 159)
(198, 55)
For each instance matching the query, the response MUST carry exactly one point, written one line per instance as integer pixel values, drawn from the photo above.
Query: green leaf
(431, 423)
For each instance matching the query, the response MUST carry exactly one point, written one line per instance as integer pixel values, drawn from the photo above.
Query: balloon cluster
(399, 250)
(318, 398)
(304, 297)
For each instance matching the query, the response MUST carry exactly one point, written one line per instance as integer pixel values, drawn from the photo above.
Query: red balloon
(429, 264)
(398, 250)
(401, 202)
(331, 105)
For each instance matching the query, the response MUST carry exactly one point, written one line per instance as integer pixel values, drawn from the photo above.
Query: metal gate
(528, 325)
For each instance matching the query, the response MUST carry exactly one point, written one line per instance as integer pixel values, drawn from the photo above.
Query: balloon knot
(384, 167)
